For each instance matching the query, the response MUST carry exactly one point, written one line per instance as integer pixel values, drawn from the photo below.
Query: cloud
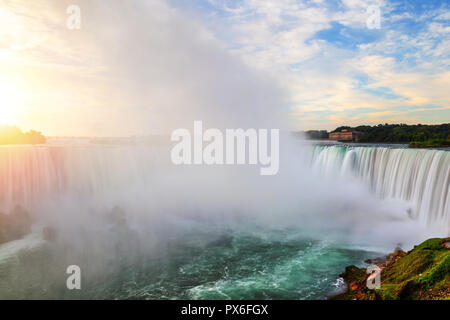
(318, 49)
(149, 66)
(147, 69)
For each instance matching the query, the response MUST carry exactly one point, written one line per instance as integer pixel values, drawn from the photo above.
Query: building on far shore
(345, 135)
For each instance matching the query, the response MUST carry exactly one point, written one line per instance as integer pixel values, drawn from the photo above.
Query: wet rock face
(14, 225)
(352, 273)
(446, 243)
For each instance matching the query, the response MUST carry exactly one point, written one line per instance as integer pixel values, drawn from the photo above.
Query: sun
(9, 102)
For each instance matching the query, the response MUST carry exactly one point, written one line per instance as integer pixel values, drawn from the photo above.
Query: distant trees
(402, 133)
(419, 135)
(13, 135)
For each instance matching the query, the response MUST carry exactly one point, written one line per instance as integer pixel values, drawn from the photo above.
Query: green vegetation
(432, 143)
(419, 135)
(423, 274)
(13, 135)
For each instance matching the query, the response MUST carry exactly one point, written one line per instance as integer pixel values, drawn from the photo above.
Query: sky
(142, 67)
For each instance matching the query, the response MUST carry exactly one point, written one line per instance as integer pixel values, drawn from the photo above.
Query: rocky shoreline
(422, 273)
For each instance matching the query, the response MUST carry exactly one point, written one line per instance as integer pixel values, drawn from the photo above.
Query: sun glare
(9, 98)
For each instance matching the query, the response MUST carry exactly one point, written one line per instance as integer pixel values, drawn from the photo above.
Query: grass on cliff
(422, 274)
(432, 143)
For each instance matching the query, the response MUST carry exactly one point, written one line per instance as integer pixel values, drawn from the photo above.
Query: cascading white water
(31, 176)
(419, 176)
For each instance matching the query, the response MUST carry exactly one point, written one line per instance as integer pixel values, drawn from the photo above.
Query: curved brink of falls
(30, 175)
(419, 176)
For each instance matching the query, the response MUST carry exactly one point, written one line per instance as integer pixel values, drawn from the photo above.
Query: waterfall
(419, 176)
(33, 176)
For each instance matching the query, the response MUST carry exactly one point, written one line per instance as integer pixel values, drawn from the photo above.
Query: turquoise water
(268, 264)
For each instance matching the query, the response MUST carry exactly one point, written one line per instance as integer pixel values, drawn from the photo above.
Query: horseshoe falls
(32, 175)
(419, 176)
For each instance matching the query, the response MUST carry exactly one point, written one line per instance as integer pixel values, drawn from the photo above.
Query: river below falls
(257, 264)
(275, 265)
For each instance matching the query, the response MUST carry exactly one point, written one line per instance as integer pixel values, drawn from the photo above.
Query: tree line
(403, 133)
(418, 135)
(13, 135)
